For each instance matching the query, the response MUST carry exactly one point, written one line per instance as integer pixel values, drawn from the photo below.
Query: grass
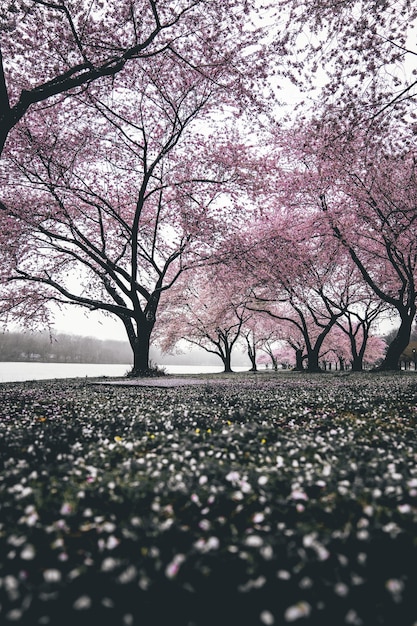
(261, 500)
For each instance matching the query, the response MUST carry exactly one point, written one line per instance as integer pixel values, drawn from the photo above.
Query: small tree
(206, 312)
(297, 279)
(357, 325)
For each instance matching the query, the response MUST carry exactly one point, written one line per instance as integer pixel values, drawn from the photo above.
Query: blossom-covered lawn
(261, 500)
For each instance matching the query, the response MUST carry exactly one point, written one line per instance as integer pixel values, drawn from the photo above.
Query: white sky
(89, 324)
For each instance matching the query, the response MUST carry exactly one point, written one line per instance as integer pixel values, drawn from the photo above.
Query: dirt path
(157, 382)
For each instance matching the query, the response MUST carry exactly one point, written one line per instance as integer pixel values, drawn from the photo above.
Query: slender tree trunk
(299, 367)
(251, 355)
(227, 360)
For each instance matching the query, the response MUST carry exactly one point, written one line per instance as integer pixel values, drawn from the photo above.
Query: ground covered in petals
(265, 499)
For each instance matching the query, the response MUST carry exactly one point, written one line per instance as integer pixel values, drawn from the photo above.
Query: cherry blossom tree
(295, 340)
(259, 333)
(375, 351)
(269, 349)
(277, 355)
(296, 278)
(335, 350)
(357, 324)
(126, 197)
(312, 323)
(364, 185)
(379, 200)
(95, 176)
(362, 53)
(265, 335)
(340, 350)
(205, 311)
(285, 355)
(54, 49)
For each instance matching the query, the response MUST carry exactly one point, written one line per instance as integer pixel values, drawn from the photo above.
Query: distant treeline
(62, 348)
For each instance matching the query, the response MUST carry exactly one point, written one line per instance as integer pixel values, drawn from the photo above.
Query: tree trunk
(299, 367)
(227, 361)
(251, 353)
(313, 360)
(357, 363)
(140, 347)
(358, 355)
(6, 120)
(398, 345)
(140, 358)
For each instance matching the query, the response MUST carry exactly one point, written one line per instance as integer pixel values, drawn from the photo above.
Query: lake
(21, 371)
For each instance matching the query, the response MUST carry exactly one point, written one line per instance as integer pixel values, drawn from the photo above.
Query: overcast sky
(89, 323)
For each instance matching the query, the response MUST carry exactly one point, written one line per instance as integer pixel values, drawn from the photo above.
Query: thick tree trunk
(357, 363)
(225, 353)
(140, 347)
(398, 345)
(313, 360)
(141, 358)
